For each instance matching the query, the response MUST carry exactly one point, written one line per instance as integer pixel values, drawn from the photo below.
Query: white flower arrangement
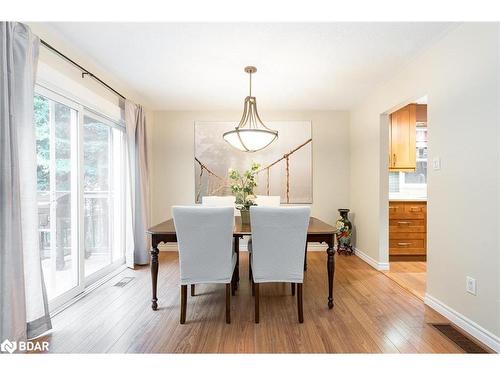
(250, 199)
(242, 186)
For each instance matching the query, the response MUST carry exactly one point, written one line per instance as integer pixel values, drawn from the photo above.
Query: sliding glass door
(102, 193)
(56, 126)
(80, 158)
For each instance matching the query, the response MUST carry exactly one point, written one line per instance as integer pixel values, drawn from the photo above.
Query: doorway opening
(407, 196)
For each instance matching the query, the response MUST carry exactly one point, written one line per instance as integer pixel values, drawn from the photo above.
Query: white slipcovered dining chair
(279, 236)
(222, 201)
(262, 201)
(205, 240)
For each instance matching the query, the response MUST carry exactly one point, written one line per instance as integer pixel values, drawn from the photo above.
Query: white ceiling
(302, 66)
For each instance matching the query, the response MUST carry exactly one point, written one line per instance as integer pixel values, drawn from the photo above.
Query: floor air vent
(459, 338)
(123, 282)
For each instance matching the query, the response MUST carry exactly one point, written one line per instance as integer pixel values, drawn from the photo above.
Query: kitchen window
(413, 183)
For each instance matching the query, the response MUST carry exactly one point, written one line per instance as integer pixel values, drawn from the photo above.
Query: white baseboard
(472, 328)
(316, 246)
(172, 246)
(169, 246)
(380, 266)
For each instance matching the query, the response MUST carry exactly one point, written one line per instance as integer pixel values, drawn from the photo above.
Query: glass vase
(245, 217)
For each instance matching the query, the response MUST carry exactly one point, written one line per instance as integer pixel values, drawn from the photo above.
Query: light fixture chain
(250, 83)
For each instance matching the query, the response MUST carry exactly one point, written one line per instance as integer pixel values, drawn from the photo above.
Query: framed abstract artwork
(285, 165)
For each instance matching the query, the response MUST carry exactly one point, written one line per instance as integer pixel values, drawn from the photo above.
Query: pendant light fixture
(251, 134)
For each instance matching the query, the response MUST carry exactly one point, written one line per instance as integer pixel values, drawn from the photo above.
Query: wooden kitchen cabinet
(402, 139)
(421, 113)
(407, 230)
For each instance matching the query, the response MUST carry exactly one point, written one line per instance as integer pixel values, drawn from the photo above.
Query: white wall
(172, 139)
(460, 75)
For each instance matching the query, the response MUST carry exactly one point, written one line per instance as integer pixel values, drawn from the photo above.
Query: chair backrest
(268, 200)
(279, 238)
(205, 241)
(220, 201)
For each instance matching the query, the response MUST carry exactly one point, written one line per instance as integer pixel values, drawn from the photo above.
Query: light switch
(436, 163)
(470, 285)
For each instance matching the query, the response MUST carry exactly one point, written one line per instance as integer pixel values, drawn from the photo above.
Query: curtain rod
(84, 71)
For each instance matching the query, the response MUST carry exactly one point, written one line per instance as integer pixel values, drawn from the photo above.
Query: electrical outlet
(470, 286)
(436, 163)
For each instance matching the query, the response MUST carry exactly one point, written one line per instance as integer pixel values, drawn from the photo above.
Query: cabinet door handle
(403, 223)
(394, 159)
(392, 208)
(404, 244)
(415, 209)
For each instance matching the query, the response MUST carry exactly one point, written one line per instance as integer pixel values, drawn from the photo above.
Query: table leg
(331, 271)
(237, 250)
(154, 274)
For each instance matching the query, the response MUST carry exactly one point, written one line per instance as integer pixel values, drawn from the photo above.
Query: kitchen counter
(408, 199)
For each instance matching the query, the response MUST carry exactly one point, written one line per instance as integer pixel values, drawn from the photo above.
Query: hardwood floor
(372, 314)
(410, 275)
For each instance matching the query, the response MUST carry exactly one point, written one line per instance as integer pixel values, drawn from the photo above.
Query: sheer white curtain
(138, 209)
(23, 299)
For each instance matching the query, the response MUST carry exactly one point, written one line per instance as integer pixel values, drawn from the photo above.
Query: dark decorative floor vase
(344, 234)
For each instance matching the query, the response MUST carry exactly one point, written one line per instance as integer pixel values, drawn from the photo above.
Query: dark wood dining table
(318, 231)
